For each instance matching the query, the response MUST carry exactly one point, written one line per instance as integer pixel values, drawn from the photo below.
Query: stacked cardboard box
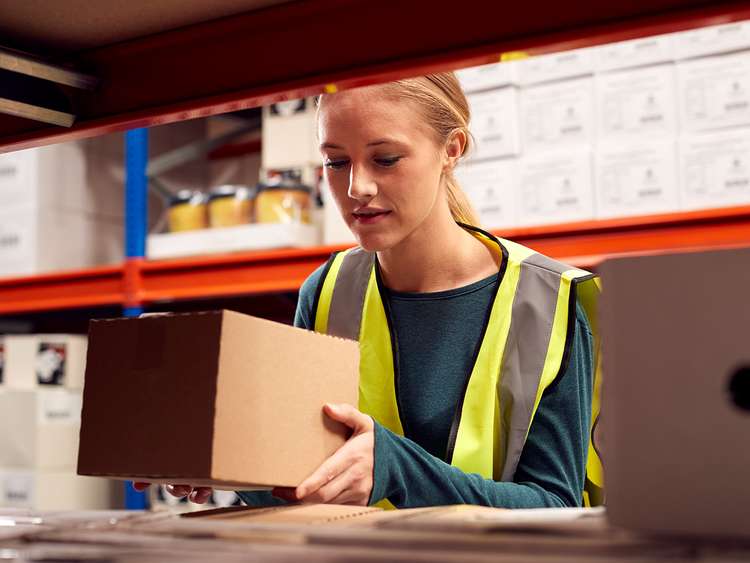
(40, 414)
(51, 215)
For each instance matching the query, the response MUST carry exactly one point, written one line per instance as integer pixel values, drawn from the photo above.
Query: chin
(375, 242)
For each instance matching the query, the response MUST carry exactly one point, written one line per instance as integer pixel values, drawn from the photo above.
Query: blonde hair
(445, 108)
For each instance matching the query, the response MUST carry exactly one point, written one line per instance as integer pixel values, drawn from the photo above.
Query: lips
(368, 216)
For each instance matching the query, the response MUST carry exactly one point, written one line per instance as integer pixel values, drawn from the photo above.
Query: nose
(361, 185)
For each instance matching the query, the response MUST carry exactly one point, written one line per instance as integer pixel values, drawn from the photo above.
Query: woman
(477, 358)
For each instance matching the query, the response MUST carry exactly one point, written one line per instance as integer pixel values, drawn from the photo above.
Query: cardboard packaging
(289, 135)
(558, 116)
(556, 66)
(712, 40)
(39, 239)
(489, 76)
(714, 92)
(556, 187)
(217, 399)
(636, 179)
(715, 169)
(335, 229)
(634, 53)
(55, 176)
(638, 103)
(54, 490)
(494, 123)
(491, 186)
(40, 360)
(39, 428)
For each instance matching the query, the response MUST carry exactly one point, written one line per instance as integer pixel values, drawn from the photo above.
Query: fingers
(327, 472)
(350, 416)
(200, 495)
(179, 490)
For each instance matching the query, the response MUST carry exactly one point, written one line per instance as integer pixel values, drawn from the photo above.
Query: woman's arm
(551, 470)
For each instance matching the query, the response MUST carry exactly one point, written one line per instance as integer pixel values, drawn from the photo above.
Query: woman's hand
(198, 495)
(346, 476)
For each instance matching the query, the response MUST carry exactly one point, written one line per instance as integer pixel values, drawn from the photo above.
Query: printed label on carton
(50, 363)
(18, 489)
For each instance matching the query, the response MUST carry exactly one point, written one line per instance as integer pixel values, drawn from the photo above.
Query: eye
(388, 161)
(336, 164)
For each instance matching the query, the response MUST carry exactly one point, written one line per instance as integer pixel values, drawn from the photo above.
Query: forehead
(368, 112)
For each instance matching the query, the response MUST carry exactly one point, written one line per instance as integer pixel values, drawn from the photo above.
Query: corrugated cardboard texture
(149, 396)
(273, 383)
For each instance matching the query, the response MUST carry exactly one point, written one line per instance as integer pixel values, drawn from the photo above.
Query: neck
(438, 256)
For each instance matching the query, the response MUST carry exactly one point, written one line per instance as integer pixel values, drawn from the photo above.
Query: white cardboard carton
(636, 103)
(289, 135)
(556, 187)
(558, 115)
(494, 123)
(714, 92)
(335, 229)
(636, 179)
(42, 360)
(53, 490)
(715, 169)
(491, 186)
(488, 76)
(712, 40)
(634, 53)
(56, 176)
(34, 240)
(556, 66)
(40, 428)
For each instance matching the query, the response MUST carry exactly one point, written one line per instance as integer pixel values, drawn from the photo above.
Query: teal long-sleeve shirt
(437, 334)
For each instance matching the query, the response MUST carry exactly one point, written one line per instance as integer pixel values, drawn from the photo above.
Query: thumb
(348, 415)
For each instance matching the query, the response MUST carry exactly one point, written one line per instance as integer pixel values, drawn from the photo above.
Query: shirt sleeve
(551, 470)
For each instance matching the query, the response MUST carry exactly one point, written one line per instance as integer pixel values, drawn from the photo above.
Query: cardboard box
(489, 76)
(712, 40)
(257, 236)
(556, 188)
(636, 103)
(55, 176)
(714, 92)
(39, 239)
(636, 179)
(491, 186)
(39, 360)
(634, 53)
(558, 116)
(556, 66)
(494, 123)
(39, 428)
(54, 490)
(217, 398)
(715, 169)
(289, 135)
(335, 229)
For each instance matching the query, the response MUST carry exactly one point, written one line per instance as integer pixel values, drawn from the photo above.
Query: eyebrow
(372, 144)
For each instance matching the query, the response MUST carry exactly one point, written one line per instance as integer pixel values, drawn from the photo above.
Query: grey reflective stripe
(525, 352)
(347, 301)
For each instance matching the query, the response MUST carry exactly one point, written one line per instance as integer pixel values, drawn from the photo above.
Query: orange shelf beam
(583, 244)
(95, 287)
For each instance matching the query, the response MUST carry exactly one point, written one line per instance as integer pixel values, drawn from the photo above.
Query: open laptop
(675, 420)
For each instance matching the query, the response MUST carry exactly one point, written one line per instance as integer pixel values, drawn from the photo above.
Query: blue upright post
(136, 217)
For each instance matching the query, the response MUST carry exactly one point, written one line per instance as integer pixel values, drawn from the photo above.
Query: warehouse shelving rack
(294, 49)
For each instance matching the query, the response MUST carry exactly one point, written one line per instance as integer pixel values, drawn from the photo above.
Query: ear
(454, 148)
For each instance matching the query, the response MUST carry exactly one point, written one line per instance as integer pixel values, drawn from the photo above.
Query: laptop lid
(675, 434)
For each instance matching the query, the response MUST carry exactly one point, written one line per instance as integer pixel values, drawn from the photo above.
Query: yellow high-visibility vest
(525, 345)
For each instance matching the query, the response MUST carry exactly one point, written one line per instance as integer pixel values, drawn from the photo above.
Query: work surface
(324, 533)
